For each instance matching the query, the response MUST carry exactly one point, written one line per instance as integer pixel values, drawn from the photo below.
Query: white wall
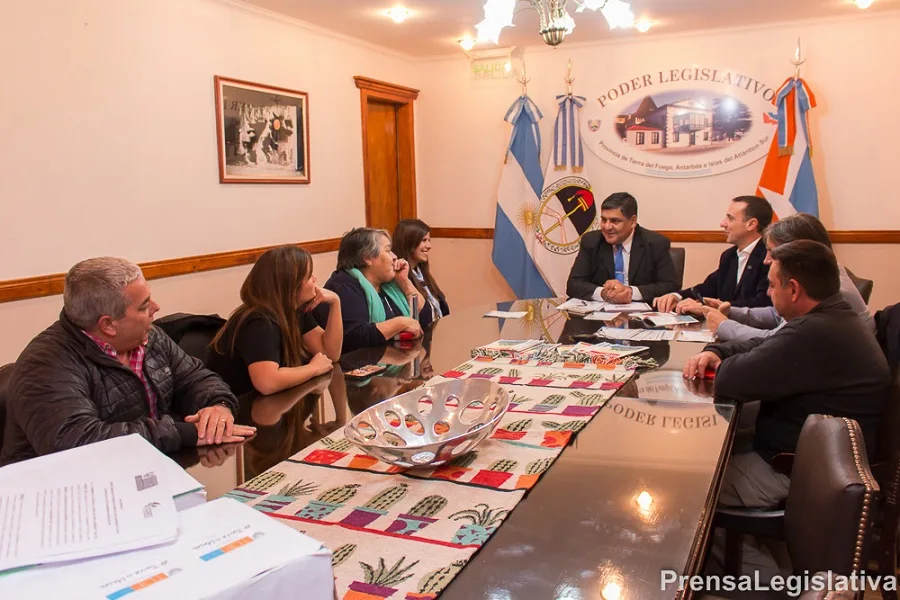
(109, 142)
(462, 135)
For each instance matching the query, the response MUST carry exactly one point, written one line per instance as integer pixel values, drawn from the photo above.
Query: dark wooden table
(633, 496)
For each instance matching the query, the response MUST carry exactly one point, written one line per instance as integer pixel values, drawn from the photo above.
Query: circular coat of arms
(567, 211)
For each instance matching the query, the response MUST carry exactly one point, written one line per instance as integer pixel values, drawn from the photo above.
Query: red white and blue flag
(787, 180)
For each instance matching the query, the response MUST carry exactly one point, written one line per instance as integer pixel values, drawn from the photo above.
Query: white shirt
(626, 259)
(743, 258)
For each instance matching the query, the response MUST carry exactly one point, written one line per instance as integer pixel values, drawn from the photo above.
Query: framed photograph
(263, 133)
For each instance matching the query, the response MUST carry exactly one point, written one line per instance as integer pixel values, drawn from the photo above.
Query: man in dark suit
(741, 278)
(622, 262)
(823, 361)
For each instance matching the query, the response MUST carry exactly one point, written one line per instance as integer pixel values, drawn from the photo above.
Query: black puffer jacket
(65, 392)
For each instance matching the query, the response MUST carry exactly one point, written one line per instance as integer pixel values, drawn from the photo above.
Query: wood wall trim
(50, 285)
(383, 89)
(838, 237)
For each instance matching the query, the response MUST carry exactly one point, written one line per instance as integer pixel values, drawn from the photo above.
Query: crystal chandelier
(556, 22)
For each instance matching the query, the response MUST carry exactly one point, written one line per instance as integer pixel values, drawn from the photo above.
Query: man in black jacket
(823, 361)
(741, 278)
(103, 370)
(622, 262)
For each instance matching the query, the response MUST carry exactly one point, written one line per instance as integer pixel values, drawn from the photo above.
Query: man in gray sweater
(740, 323)
(824, 360)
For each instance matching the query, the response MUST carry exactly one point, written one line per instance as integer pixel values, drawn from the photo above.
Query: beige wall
(112, 129)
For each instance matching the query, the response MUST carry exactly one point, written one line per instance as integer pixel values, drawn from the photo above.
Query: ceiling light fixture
(398, 14)
(643, 25)
(467, 43)
(556, 22)
(863, 3)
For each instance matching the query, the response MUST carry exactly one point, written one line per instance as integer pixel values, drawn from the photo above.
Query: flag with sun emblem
(566, 209)
(521, 184)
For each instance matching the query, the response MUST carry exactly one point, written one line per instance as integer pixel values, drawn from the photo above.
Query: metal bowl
(430, 425)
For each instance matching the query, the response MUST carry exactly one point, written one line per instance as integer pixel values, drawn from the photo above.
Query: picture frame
(262, 133)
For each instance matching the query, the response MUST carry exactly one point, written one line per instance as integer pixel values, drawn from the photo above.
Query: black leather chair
(865, 286)
(827, 517)
(678, 255)
(5, 373)
(192, 333)
(886, 468)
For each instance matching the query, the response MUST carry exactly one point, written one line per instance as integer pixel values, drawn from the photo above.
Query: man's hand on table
(215, 425)
(699, 364)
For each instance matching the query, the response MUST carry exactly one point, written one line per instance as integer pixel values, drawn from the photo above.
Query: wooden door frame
(402, 98)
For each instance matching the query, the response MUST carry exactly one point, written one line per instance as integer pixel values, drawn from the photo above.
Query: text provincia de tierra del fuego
(690, 74)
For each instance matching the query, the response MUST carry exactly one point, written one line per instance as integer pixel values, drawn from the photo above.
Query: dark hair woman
(412, 242)
(271, 341)
(375, 291)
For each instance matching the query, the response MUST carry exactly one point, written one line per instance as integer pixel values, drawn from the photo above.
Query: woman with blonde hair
(412, 242)
(271, 341)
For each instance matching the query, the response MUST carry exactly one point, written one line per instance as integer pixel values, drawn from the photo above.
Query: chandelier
(556, 22)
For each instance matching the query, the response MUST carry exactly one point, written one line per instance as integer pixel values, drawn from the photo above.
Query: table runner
(405, 534)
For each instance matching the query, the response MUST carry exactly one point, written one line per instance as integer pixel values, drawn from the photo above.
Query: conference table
(631, 498)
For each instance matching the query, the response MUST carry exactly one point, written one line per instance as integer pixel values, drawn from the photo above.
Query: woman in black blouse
(412, 241)
(271, 341)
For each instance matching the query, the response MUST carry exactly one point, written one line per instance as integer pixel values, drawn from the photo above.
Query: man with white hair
(103, 370)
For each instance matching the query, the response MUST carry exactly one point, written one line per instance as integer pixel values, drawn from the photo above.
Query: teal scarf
(373, 300)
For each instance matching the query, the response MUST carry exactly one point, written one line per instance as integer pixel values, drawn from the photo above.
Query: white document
(697, 336)
(224, 550)
(581, 307)
(601, 316)
(504, 314)
(52, 515)
(637, 335)
(629, 307)
(667, 319)
(128, 448)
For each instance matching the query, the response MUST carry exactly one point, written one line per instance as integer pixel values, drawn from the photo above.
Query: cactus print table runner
(405, 534)
(538, 373)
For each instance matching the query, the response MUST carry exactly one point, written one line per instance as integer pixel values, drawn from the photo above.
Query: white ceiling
(435, 25)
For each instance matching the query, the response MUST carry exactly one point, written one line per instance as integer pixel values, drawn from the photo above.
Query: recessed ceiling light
(398, 14)
(864, 3)
(643, 25)
(467, 43)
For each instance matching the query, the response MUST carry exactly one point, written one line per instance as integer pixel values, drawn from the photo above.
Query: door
(382, 166)
(388, 152)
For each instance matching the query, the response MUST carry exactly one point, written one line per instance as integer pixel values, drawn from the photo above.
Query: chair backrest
(192, 333)
(865, 286)
(832, 496)
(678, 259)
(5, 374)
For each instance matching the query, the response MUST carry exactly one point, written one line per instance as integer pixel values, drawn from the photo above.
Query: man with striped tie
(622, 262)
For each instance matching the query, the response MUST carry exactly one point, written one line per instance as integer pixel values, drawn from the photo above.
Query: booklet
(667, 319)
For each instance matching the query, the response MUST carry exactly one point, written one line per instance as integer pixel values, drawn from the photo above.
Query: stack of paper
(667, 319)
(506, 314)
(584, 307)
(697, 336)
(56, 509)
(637, 335)
(602, 316)
(225, 550)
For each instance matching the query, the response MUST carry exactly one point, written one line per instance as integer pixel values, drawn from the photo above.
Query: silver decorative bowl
(430, 425)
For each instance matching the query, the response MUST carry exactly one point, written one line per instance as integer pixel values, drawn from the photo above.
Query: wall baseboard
(50, 285)
(837, 237)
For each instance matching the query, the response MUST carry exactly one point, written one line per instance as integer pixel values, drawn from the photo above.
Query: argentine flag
(521, 183)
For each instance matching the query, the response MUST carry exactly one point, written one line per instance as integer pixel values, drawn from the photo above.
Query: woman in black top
(271, 341)
(412, 242)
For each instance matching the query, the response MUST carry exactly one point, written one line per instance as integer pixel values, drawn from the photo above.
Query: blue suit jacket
(722, 283)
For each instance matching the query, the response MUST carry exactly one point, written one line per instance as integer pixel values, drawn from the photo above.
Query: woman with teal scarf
(375, 291)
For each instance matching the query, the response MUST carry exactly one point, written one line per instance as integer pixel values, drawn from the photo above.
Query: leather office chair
(5, 373)
(678, 255)
(886, 469)
(192, 333)
(865, 286)
(827, 516)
